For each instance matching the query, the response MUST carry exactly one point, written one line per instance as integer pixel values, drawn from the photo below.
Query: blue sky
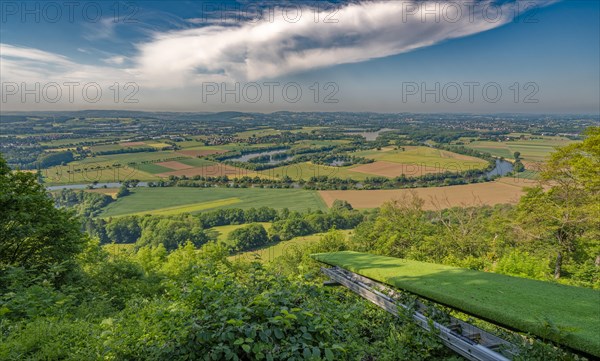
(539, 56)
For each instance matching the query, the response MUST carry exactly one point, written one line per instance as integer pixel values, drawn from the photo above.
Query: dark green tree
(253, 235)
(123, 191)
(33, 233)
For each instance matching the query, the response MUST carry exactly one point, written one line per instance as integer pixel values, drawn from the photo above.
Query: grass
(189, 208)
(196, 162)
(532, 150)
(153, 199)
(153, 168)
(565, 314)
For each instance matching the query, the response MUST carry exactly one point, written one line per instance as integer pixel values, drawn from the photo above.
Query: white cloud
(115, 60)
(266, 49)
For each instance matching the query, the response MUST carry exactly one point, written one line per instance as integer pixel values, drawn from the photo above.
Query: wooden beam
(382, 296)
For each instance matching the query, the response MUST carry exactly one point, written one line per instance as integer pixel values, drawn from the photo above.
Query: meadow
(532, 150)
(180, 200)
(565, 314)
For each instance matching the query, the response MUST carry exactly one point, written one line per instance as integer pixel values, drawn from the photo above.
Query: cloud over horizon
(292, 41)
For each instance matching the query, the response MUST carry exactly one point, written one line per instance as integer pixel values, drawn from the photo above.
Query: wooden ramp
(465, 339)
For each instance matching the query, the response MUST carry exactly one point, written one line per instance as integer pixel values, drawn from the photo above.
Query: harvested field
(505, 190)
(174, 165)
(391, 169)
(132, 144)
(213, 170)
(201, 153)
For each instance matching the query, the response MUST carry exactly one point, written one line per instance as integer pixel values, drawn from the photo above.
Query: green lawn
(166, 199)
(523, 304)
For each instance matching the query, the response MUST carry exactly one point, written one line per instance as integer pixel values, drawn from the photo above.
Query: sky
(480, 56)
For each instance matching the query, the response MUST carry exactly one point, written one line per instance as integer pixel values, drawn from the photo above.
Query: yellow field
(504, 190)
(426, 158)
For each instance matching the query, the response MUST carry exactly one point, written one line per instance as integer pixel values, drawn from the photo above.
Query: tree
(397, 230)
(123, 230)
(517, 155)
(251, 236)
(518, 166)
(563, 212)
(123, 191)
(339, 205)
(33, 233)
(171, 232)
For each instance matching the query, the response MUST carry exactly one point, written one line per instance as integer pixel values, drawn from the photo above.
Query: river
(502, 168)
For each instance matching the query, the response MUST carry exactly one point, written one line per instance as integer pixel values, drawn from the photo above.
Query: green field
(531, 306)
(189, 208)
(430, 157)
(147, 200)
(532, 150)
(153, 168)
(195, 162)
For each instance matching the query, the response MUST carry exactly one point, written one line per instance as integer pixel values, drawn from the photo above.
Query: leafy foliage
(32, 232)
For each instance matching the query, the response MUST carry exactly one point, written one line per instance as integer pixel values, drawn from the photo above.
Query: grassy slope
(519, 303)
(148, 199)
